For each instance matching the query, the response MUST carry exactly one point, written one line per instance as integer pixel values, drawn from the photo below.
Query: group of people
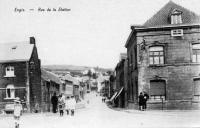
(61, 103)
(143, 97)
(103, 99)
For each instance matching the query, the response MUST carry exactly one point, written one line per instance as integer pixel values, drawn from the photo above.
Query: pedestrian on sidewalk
(146, 97)
(72, 105)
(141, 101)
(61, 104)
(17, 111)
(54, 101)
(67, 100)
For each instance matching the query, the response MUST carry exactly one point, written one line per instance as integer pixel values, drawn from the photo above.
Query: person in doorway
(17, 111)
(67, 101)
(146, 97)
(141, 101)
(54, 101)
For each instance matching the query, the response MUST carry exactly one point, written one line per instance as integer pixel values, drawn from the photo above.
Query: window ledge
(9, 98)
(195, 63)
(9, 76)
(195, 101)
(131, 101)
(157, 65)
(156, 101)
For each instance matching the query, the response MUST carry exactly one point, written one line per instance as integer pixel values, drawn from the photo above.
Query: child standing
(17, 111)
(67, 104)
(72, 105)
(61, 104)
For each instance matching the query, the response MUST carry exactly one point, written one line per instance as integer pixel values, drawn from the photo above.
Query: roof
(68, 77)
(102, 78)
(85, 78)
(14, 52)
(76, 81)
(162, 16)
(49, 76)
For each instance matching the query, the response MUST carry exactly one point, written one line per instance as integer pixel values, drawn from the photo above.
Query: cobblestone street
(98, 115)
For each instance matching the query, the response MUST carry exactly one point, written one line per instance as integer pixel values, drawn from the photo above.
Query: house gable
(162, 17)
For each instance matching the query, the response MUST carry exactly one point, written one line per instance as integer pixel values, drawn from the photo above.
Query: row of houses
(21, 76)
(163, 60)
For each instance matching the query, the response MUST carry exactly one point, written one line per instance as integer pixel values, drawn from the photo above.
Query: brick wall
(18, 81)
(35, 79)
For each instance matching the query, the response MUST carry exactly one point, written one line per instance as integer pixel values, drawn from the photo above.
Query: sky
(92, 33)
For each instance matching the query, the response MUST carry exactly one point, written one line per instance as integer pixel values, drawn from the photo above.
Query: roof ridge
(159, 11)
(20, 42)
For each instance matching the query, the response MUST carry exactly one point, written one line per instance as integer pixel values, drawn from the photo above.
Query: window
(196, 89)
(10, 92)
(157, 90)
(156, 55)
(196, 53)
(10, 71)
(176, 17)
(177, 32)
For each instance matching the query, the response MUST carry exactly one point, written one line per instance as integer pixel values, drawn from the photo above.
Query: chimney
(32, 40)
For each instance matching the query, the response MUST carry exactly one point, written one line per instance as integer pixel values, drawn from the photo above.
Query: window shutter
(157, 88)
(197, 87)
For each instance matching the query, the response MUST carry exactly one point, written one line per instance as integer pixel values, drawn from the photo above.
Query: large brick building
(20, 74)
(164, 59)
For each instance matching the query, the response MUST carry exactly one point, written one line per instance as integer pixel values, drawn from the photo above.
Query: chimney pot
(32, 40)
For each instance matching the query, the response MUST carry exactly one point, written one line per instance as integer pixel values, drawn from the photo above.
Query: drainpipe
(27, 87)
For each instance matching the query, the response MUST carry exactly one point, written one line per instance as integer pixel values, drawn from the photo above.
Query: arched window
(156, 55)
(10, 91)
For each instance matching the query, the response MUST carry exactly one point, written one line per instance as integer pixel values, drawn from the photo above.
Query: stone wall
(178, 70)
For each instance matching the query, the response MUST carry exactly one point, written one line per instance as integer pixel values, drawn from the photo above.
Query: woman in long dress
(67, 100)
(72, 105)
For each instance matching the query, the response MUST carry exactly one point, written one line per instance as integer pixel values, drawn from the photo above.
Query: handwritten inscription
(19, 10)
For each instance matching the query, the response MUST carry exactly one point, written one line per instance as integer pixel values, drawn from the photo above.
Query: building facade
(20, 74)
(51, 84)
(164, 59)
(120, 97)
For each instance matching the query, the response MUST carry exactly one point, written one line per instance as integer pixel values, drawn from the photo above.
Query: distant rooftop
(49, 76)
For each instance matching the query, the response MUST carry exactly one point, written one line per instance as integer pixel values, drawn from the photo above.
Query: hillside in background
(75, 70)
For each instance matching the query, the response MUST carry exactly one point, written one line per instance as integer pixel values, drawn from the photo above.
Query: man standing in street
(54, 101)
(141, 101)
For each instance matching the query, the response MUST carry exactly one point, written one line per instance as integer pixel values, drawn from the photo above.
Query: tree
(89, 73)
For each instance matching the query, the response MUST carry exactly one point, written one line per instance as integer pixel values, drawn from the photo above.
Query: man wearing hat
(17, 111)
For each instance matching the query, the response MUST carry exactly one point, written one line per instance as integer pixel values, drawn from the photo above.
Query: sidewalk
(159, 112)
(79, 105)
